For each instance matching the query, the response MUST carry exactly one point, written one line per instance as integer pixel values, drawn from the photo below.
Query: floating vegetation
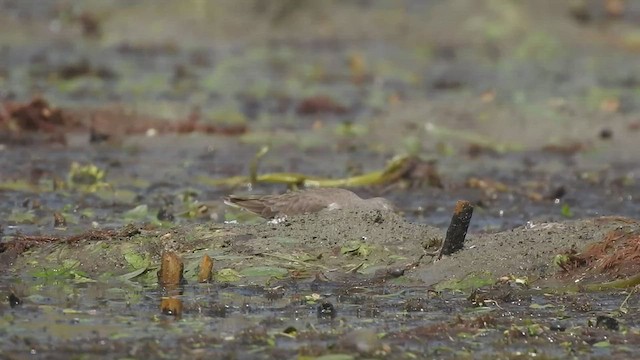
(399, 168)
(88, 177)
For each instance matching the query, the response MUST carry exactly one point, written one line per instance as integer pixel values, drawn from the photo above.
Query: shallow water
(255, 322)
(548, 115)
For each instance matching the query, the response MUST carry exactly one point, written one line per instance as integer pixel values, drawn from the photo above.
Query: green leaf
(539, 306)
(134, 274)
(21, 217)
(138, 213)
(471, 281)
(227, 275)
(602, 344)
(356, 249)
(136, 260)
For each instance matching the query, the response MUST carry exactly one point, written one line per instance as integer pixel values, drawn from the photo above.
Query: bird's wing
(270, 206)
(255, 204)
(301, 203)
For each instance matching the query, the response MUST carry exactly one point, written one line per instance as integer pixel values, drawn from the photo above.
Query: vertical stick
(457, 231)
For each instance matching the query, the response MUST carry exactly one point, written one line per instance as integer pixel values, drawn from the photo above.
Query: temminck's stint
(305, 202)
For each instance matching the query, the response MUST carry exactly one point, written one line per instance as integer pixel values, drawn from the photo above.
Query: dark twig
(457, 231)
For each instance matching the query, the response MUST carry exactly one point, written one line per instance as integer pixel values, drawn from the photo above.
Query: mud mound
(341, 239)
(525, 251)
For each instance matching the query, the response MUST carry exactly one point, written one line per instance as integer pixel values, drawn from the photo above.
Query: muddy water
(531, 123)
(252, 322)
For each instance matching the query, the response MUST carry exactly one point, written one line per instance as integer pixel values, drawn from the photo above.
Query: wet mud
(124, 125)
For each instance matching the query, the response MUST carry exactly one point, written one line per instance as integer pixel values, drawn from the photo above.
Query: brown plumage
(305, 202)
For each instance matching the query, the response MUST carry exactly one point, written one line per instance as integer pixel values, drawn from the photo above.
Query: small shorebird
(305, 202)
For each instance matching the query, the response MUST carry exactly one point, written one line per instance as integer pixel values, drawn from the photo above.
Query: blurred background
(527, 108)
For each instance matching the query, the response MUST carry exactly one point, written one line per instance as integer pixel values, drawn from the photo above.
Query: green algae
(468, 283)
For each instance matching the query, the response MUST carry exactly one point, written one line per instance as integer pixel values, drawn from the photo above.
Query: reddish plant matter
(36, 115)
(617, 254)
(320, 104)
(192, 124)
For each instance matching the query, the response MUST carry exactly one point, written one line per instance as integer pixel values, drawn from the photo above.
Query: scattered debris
(205, 270)
(14, 300)
(606, 134)
(171, 306)
(170, 275)
(490, 187)
(38, 116)
(59, 221)
(83, 68)
(90, 24)
(569, 148)
(320, 104)
(607, 322)
(35, 116)
(326, 310)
